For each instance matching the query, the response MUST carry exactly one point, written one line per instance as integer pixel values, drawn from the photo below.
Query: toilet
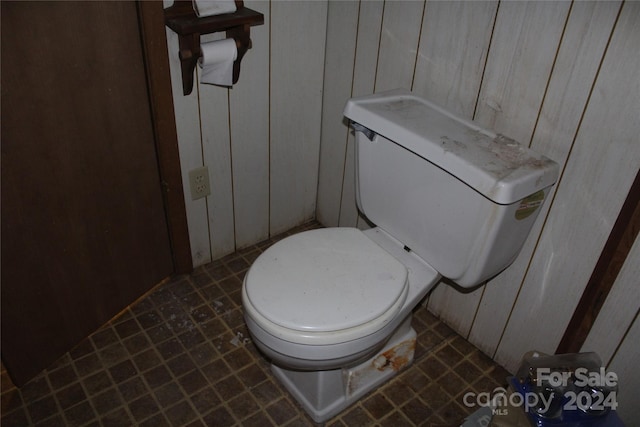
(331, 308)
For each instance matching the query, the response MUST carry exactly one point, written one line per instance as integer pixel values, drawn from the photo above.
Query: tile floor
(182, 357)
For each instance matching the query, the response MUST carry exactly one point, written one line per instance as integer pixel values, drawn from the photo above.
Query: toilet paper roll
(217, 62)
(213, 7)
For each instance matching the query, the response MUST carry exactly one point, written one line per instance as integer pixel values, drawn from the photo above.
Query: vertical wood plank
(368, 44)
(453, 49)
(398, 44)
(526, 38)
(618, 311)
(605, 272)
(364, 76)
(583, 45)
(249, 109)
(338, 80)
(349, 214)
(625, 365)
(603, 163)
(298, 32)
(190, 149)
(216, 151)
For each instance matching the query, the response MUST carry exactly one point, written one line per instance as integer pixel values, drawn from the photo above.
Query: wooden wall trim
(152, 29)
(614, 253)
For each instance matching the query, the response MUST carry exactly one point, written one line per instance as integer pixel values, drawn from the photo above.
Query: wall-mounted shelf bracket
(182, 19)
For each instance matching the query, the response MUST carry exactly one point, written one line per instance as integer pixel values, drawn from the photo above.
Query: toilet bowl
(331, 308)
(360, 292)
(357, 334)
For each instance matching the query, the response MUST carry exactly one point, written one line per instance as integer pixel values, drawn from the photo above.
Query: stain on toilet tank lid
(496, 166)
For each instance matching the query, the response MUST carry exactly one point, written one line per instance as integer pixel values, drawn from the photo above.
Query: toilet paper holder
(181, 18)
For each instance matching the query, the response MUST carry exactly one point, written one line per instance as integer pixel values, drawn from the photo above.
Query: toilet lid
(327, 280)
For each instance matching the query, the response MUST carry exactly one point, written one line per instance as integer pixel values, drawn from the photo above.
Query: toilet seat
(324, 287)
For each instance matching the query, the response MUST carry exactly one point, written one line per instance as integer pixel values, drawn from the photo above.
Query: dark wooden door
(84, 231)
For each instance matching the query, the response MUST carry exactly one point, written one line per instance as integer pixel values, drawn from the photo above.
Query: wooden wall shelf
(182, 19)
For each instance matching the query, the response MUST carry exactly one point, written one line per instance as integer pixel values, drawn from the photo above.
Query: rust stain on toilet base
(396, 357)
(384, 365)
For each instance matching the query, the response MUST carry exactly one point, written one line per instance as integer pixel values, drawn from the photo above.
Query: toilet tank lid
(496, 166)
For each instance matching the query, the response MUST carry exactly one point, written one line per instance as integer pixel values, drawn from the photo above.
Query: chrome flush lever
(357, 127)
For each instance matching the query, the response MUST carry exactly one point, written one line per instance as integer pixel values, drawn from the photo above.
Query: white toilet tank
(461, 197)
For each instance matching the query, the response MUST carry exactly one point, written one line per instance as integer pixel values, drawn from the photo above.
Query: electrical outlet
(199, 183)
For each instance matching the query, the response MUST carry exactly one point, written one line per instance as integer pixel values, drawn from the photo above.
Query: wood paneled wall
(260, 139)
(615, 336)
(561, 77)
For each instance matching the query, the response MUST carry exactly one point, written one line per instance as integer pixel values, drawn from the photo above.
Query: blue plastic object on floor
(566, 417)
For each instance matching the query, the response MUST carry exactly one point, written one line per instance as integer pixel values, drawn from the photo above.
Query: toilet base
(324, 394)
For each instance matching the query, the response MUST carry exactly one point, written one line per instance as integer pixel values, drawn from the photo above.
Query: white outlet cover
(199, 183)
